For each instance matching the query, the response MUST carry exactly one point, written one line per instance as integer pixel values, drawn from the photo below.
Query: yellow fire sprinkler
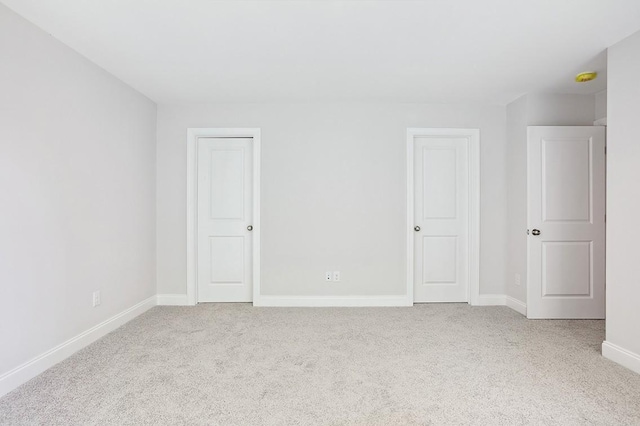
(583, 77)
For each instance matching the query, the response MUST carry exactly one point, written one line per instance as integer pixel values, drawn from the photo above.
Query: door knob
(416, 228)
(249, 228)
(536, 232)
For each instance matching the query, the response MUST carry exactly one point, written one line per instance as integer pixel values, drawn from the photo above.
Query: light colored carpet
(232, 364)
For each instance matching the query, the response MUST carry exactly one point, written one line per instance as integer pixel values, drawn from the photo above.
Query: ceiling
(475, 51)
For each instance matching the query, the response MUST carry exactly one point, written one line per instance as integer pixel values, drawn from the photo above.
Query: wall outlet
(96, 298)
(336, 275)
(328, 276)
(518, 280)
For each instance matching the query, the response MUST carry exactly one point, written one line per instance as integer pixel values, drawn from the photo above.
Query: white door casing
(223, 215)
(566, 222)
(443, 215)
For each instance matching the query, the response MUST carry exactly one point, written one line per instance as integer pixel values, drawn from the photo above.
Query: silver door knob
(536, 232)
(416, 228)
(249, 228)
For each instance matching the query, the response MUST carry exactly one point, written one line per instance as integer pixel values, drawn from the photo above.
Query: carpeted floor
(232, 364)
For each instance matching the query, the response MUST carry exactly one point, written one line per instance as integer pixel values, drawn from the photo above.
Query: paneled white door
(224, 219)
(566, 220)
(441, 218)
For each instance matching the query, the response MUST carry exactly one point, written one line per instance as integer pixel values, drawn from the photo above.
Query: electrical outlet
(336, 275)
(328, 276)
(96, 298)
(518, 280)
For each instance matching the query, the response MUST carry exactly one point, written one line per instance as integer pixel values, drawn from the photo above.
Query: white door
(441, 219)
(566, 220)
(224, 219)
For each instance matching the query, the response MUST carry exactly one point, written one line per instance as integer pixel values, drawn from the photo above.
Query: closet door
(225, 219)
(566, 221)
(441, 218)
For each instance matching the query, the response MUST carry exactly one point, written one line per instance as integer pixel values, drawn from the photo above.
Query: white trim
(517, 305)
(172, 300)
(192, 170)
(502, 300)
(491, 300)
(473, 138)
(332, 301)
(355, 301)
(600, 122)
(622, 356)
(30, 369)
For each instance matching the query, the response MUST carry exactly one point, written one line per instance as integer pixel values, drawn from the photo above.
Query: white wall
(532, 110)
(517, 198)
(601, 104)
(333, 192)
(560, 110)
(77, 193)
(623, 197)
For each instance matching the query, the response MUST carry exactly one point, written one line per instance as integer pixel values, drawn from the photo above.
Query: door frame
(193, 134)
(473, 145)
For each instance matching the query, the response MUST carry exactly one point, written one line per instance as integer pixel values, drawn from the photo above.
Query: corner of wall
(622, 356)
(21, 374)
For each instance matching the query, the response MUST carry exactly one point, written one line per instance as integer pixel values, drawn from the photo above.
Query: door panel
(439, 257)
(565, 168)
(441, 247)
(226, 259)
(567, 268)
(566, 205)
(227, 184)
(224, 213)
(439, 183)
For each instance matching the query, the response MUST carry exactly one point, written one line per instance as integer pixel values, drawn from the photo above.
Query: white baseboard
(622, 356)
(332, 301)
(517, 305)
(491, 300)
(25, 372)
(501, 300)
(355, 301)
(173, 300)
